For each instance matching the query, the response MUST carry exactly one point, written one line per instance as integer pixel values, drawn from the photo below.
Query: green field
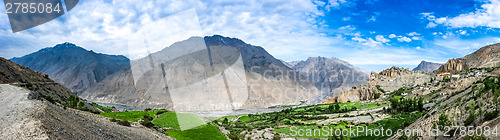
(208, 131)
(169, 119)
(396, 122)
(199, 129)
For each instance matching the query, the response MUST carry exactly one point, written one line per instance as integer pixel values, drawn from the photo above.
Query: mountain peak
(427, 66)
(66, 45)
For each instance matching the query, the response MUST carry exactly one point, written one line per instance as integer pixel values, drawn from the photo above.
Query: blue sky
(371, 34)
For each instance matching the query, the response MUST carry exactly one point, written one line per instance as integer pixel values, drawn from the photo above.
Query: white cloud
(372, 43)
(429, 16)
(372, 19)
(336, 4)
(359, 39)
(100, 24)
(418, 48)
(488, 16)
(346, 18)
(463, 32)
(431, 25)
(441, 20)
(404, 39)
(381, 38)
(392, 36)
(348, 27)
(416, 38)
(413, 34)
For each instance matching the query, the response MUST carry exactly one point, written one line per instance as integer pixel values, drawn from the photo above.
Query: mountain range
(73, 66)
(143, 85)
(330, 75)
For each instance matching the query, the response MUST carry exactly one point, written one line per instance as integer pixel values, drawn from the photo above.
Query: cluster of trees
(336, 108)
(401, 90)
(401, 104)
(74, 102)
(443, 121)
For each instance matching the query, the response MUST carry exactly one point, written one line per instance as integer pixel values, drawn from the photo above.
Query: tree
(81, 104)
(443, 121)
(376, 96)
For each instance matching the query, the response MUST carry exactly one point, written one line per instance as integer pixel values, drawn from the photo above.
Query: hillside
(195, 65)
(73, 66)
(427, 66)
(487, 56)
(430, 105)
(31, 107)
(381, 83)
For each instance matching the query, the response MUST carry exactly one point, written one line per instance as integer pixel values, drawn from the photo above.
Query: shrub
(147, 118)
(147, 123)
(276, 136)
(490, 115)
(443, 121)
(81, 104)
(49, 98)
(161, 112)
(380, 89)
(376, 96)
(72, 101)
(124, 123)
(113, 120)
(147, 109)
(470, 119)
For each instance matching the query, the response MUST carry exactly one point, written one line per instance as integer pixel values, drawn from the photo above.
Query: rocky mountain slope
(427, 66)
(488, 56)
(388, 80)
(12, 73)
(331, 75)
(253, 77)
(290, 64)
(30, 108)
(73, 66)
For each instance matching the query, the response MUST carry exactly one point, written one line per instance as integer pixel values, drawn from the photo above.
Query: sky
(371, 34)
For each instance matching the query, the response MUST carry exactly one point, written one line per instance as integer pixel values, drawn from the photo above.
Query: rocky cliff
(487, 56)
(389, 80)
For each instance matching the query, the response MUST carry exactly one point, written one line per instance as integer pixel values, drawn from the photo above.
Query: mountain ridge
(126, 86)
(427, 66)
(59, 63)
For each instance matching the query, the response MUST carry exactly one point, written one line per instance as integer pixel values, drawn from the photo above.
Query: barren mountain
(487, 56)
(35, 111)
(73, 66)
(290, 64)
(220, 66)
(388, 80)
(427, 66)
(331, 75)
